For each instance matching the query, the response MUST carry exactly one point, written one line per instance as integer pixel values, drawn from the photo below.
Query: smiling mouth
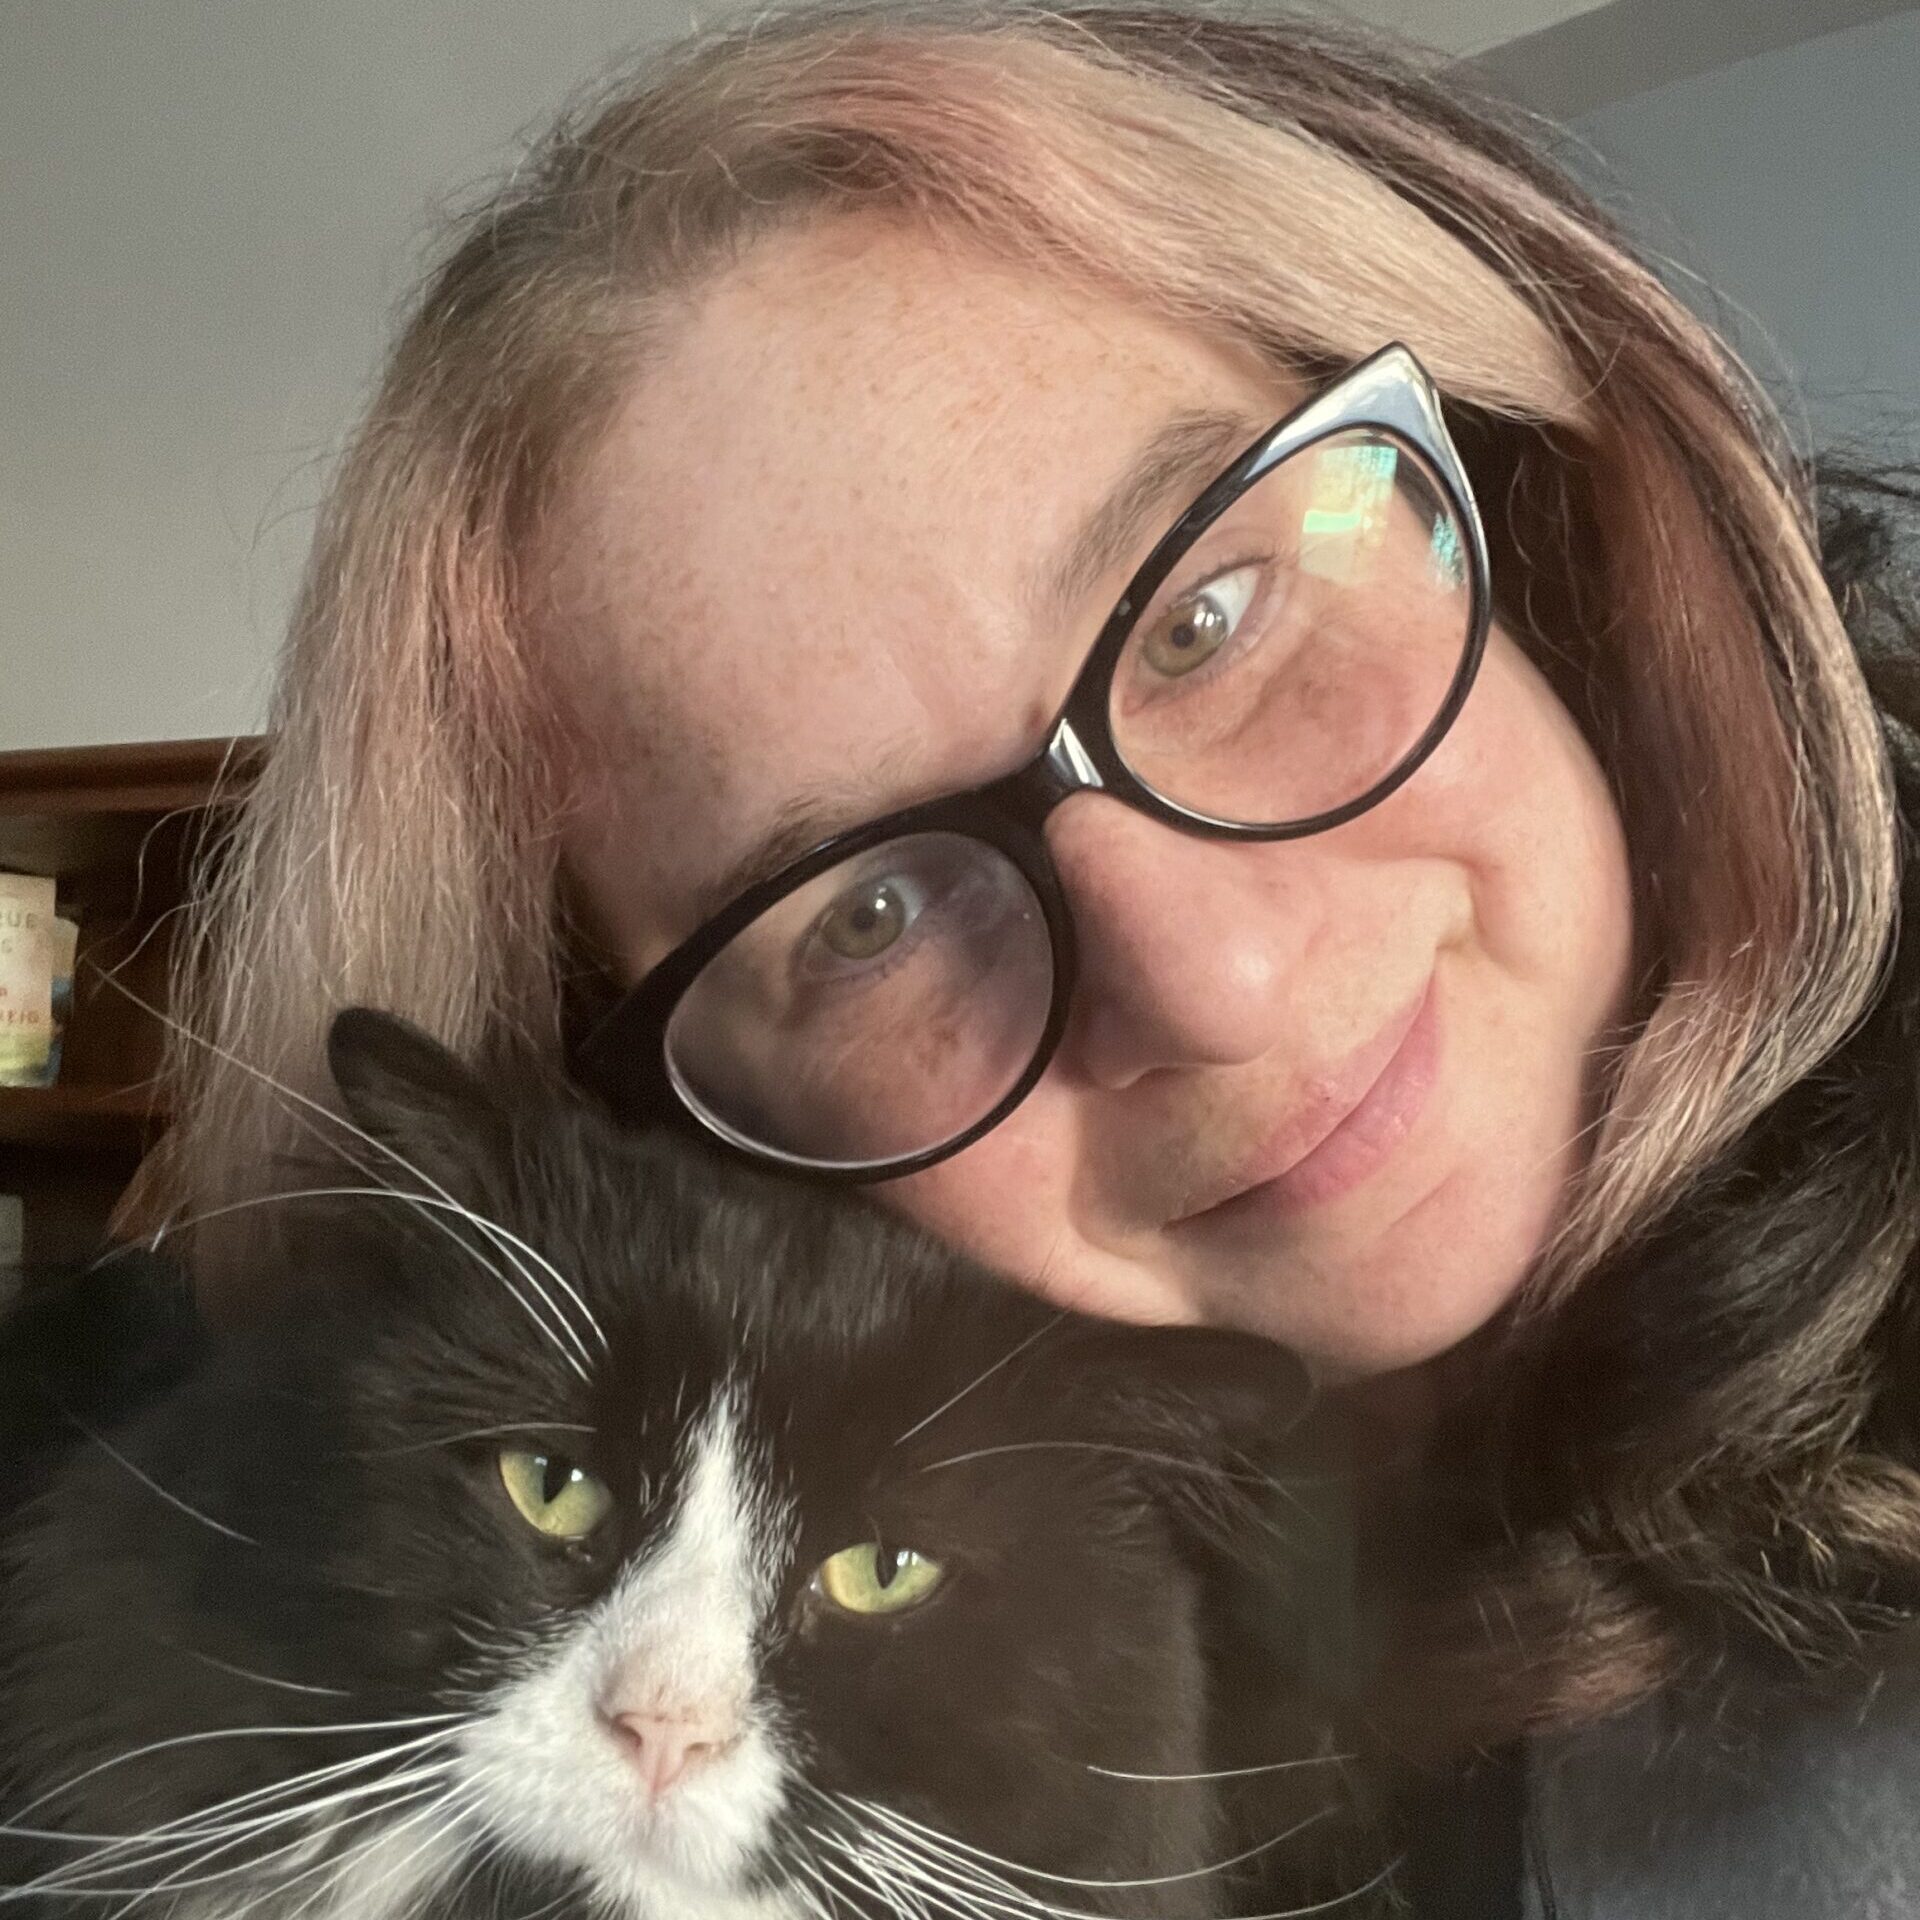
(1366, 1107)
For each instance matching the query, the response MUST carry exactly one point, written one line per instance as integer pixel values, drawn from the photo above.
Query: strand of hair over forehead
(401, 849)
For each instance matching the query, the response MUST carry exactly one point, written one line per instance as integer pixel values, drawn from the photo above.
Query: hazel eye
(1196, 626)
(552, 1495)
(869, 918)
(871, 1579)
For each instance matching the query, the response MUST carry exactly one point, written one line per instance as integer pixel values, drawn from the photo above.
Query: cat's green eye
(561, 1500)
(874, 1579)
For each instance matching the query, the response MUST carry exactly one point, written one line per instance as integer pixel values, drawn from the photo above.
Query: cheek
(1026, 1202)
(1518, 799)
(1004, 1197)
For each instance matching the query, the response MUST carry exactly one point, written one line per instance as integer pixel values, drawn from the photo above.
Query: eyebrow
(1177, 459)
(1181, 456)
(801, 822)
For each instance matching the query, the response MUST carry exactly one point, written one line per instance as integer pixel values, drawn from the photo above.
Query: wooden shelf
(144, 777)
(106, 1118)
(122, 829)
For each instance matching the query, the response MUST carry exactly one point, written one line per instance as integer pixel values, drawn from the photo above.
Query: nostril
(666, 1747)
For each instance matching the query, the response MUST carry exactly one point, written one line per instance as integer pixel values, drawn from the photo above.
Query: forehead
(805, 563)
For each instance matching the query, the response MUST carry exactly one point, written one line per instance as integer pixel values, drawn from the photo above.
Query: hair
(1279, 183)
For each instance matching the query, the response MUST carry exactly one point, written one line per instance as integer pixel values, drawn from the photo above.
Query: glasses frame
(624, 1057)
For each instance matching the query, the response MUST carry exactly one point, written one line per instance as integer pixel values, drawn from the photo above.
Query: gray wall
(1791, 181)
(207, 209)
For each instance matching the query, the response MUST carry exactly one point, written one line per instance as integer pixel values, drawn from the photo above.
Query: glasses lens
(878, 1011)
(1302, 647)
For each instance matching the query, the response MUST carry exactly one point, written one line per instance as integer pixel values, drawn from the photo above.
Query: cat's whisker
(260, 1679)
(492, 1228)
(1209, 1469)
(870, 1880)
(1227, 1773)
(153, 1486)
(242, 1733)
(458, 1796)
(513, 1242)
(441, 1196)
(191, 1874)
(1020, 1905)
(1202, 1469)
(979, 1896)
(206, 1819)
(935, 1868)
(946, 1844)
(980, 1379)
(499, 1645)
(124, 1853)
(813, 1888)
(292, 1101)
(419, 1201)
(1334, 1902)
(474, 1433)
(203, 1843)
(509, 1243)
(292, 1097)
(512, 1246)
(884, 1858)
(256, 1864)
(479, 1858)
(959, 1885)
(320, 1110)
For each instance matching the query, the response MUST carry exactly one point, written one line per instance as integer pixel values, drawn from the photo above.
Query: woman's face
(1329, 1089)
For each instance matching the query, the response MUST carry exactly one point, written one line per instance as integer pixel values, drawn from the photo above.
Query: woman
(866, 410)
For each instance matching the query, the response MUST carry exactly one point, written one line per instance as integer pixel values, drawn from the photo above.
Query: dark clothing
(1809, 1811)
(1777, 1807)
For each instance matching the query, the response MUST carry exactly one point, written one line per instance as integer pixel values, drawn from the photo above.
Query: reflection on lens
(878, 1011)
(1297, 654)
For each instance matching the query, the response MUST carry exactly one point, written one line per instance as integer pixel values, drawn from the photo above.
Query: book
(26, 978)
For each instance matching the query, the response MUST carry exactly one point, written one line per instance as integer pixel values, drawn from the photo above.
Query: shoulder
(1774, 1805)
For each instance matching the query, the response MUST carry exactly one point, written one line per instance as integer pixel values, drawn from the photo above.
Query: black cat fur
(229, 1555)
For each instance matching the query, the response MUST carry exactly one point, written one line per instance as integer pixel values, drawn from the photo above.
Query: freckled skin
(801, 557)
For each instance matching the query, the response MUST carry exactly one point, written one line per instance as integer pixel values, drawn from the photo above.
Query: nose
(666, 1744)
(1189, 949)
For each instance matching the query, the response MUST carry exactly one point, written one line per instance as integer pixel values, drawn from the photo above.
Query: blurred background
(209, 207)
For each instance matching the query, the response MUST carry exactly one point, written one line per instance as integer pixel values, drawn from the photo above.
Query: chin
(1436, 1279)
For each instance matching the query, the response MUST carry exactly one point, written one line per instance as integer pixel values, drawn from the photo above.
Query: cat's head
(764, 1554)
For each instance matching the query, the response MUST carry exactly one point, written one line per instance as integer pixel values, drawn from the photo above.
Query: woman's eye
(1196, 626)
(552, 1495)
(864, 922)
(872, 1579)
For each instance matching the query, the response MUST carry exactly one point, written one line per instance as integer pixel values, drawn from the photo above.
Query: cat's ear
(1224, 1389)
(429, 1113)
(1213, 1417)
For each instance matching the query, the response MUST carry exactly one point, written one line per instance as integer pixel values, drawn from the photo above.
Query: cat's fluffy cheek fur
(676, 1633)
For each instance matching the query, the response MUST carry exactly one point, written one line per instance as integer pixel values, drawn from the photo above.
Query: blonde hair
(1296, 190)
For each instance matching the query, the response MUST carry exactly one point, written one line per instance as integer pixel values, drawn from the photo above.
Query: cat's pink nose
(666, 1746)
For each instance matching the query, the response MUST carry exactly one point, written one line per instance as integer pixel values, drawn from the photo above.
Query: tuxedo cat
(584, 1527)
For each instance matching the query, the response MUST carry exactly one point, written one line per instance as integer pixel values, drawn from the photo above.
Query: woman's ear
(434, 1122)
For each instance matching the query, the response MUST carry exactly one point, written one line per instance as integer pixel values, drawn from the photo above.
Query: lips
(1352, 1117)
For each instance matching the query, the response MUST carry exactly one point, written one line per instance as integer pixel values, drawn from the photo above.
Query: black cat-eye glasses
(1287, 655)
